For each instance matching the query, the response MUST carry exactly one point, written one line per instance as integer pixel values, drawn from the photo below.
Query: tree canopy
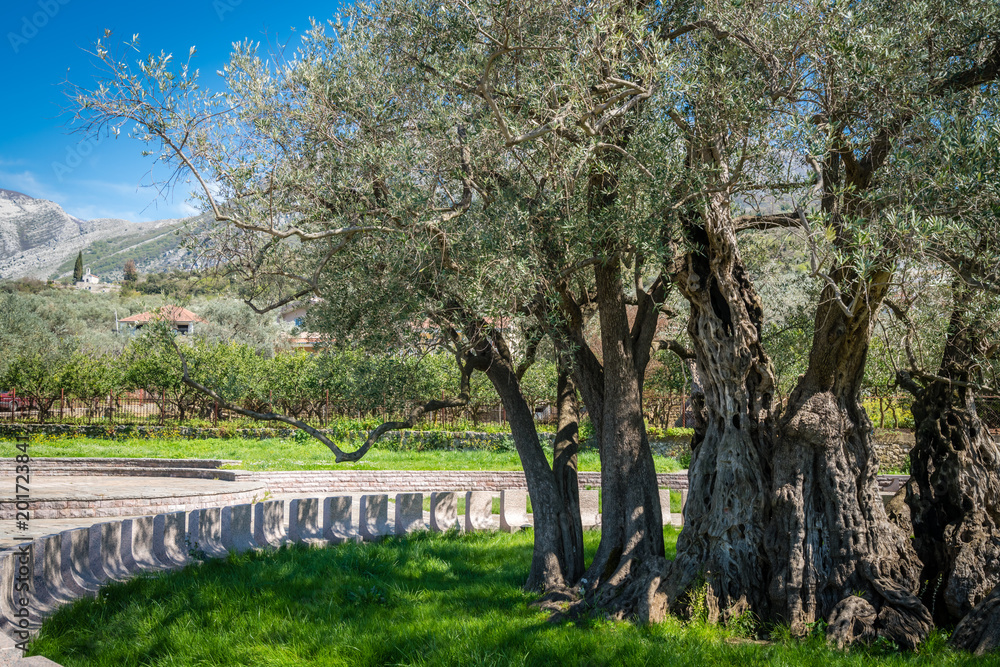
(482, 177)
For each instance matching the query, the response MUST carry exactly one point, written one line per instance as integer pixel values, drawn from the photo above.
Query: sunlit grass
(425, 600)
(294, 454)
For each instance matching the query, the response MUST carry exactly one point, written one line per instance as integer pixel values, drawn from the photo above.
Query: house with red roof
(181, 319)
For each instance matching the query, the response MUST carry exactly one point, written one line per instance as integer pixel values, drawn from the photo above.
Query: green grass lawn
(292, 454)
(426, 600)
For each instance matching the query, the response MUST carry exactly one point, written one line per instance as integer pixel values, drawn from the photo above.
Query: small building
(292, 319)
(181, 319)
(293, 316)
(92, 283)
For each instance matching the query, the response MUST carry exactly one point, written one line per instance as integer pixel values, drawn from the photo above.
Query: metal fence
(160, 408)
(194, 409)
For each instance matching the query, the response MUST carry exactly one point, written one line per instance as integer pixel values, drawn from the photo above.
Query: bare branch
(815, 268)
(582, 264)
(674, 346)
(761, 222)
(340, 456)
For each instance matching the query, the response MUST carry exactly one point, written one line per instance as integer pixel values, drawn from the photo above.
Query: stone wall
(891, 447)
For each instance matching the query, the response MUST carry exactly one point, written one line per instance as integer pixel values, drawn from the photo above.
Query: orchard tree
(130, 273)
(338, 176)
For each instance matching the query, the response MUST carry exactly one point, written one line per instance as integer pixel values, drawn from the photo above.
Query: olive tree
(480, 177)
(335, 175)
(881, 87)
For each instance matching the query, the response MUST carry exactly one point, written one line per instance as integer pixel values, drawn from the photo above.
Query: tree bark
(834, 553)
(628, 561)
(954, 487)
(551, 565)
(564, 469)
(979, 632)
(728, 479)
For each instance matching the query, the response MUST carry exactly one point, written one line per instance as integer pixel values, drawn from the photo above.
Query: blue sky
(42, 44)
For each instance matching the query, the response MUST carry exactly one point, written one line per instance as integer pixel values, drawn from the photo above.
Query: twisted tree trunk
(834, 553)
(625, 569)
(954, 487)
(556, 521)
(729, 476)
(564, 469)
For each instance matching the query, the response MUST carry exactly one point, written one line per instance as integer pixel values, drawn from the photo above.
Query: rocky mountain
(37, 237)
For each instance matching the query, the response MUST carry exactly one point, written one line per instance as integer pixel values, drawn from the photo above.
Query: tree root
(900, 616)
(852, 620)
(903, 618)
(979, 631)
(557, 600)
(632, 593)
(635, 593)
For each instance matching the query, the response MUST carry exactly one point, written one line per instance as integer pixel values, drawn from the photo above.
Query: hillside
(39, 239)
(154, 250)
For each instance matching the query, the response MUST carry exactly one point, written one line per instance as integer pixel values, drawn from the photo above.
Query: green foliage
(586, 432)
(78, 268)
(684, 460)
(657, 433)
(424, 600)
(298, 453)
(229, 320)
(746, 625)
(180, 285)
(697, 602)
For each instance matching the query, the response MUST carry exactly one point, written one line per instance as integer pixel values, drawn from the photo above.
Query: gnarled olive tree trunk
(729, 477)
(834, 553)
(954, 487)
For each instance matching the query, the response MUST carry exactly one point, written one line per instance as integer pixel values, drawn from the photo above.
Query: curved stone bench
(139, 545)
(205, 533)
(237, 528)
(444, 512)
(76, 563)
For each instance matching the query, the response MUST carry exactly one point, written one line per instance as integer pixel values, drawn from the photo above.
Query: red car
(11, 403)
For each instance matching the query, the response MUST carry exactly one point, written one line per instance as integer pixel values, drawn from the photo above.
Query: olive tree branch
(340, 456)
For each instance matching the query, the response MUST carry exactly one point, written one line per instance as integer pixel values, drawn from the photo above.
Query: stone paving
(91, 499)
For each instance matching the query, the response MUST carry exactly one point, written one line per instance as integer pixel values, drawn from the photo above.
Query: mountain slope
(153, 250)
(37, 236)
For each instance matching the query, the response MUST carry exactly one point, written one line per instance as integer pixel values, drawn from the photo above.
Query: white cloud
(27, 183)
(90, 198)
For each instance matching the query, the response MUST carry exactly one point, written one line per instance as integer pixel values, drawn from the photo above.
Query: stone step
(53, 497)
(134, 471)
(118, 462)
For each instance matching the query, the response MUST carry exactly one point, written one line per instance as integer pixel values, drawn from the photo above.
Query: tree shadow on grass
(398, 600)
(424, 600)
